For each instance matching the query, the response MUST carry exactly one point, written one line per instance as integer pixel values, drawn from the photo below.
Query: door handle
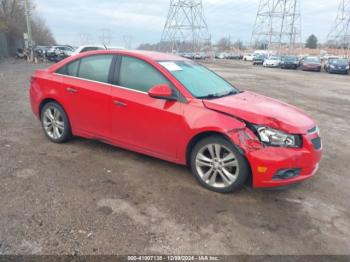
(119, 103)
(71, 90)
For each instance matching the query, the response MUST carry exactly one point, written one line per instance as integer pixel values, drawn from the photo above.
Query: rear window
(94, 68)
(70, 69)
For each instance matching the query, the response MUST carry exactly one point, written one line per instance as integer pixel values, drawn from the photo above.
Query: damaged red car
(174, 109)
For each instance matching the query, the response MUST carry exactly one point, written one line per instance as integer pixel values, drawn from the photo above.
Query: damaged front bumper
(279, 166)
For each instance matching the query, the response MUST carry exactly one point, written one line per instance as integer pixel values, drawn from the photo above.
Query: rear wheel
(218, 165)
(55, 123)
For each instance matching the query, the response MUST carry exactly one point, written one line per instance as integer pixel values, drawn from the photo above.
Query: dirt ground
(85, 197)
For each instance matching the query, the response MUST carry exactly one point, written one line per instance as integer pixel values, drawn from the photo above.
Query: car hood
(261, 110)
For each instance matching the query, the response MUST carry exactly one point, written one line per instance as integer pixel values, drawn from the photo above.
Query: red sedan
(171, 108)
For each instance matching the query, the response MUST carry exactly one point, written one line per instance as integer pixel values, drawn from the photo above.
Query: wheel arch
(49, 100)
(198, 137)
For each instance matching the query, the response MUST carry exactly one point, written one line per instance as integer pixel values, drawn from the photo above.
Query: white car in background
(272, 61)
(248, 57)
(86, 48)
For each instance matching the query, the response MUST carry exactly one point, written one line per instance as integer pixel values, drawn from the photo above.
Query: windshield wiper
(218, 95)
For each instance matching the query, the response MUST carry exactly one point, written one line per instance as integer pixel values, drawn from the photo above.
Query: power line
(277, 24)
(339, 35)
(185, 27)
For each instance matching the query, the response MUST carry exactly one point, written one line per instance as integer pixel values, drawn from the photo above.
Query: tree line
(13, 24)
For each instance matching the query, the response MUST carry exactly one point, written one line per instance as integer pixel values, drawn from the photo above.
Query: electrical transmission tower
(105, 36)
(339, 35)
(186, 28)
(277, 24)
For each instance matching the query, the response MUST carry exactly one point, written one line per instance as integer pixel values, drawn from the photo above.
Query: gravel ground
(85, 197)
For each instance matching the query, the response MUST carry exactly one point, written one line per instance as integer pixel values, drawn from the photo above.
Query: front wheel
(218, 165)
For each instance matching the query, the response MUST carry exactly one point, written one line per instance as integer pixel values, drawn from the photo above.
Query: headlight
(348, 67)
(332, 66)
(274, 137)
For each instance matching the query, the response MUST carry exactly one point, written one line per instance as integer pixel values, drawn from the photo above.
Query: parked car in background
(258, 59)
(272, 61)
(200, 56)
(311, 63)
(172, 108)
(58, 53)
(235, 56)
(188, 55)
(337, 66)
(221, 55)
(290, 62)
(41, 51)
(328, 60)
(116, 48)
(248, 57)
(87, 48)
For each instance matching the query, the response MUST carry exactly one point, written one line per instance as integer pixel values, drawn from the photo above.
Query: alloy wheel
(53, 123)
(217, 165)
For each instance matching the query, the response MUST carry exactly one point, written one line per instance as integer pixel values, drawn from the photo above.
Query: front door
(140, 121)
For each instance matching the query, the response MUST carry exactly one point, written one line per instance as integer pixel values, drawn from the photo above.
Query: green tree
(311, 42)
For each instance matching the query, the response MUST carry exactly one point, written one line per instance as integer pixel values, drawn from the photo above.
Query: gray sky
(144, 19)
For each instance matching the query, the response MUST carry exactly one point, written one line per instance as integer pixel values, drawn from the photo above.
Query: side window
(95, 67)
(86, 49)
(70, 69)
(139, 75)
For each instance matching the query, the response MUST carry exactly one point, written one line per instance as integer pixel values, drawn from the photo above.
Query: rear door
(143, 122)
(86, 83)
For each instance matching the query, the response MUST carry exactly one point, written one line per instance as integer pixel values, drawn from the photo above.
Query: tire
(55, 123)
(230, 174)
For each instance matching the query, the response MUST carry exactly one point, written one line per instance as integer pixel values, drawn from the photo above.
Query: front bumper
(266, 162)
(339, 70)
(311, 68)
(289, 66)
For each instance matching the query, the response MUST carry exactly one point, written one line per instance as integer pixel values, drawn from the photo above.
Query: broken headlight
(274, 137)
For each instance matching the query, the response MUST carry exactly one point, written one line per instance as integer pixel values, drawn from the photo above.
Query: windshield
(290, 58)
(339, 61)
(274, 58)
(199, 81)
(312, 59)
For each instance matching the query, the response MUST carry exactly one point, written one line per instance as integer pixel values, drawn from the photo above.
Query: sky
(142, 21)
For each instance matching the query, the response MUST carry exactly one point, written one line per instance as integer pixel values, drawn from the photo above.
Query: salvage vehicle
(174, 109)
(290, 62)
(311, 63)
(259, 60)
(87, 48)
(272, 61)
(58, 53)
(337, 66)
(248, 57)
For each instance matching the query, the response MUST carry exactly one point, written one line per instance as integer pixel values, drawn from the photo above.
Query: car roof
(152, 55)
(146, 55)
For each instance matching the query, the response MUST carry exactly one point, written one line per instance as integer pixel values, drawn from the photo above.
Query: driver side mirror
(162, 91)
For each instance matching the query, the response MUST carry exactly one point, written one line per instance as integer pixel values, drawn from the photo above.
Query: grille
(317, 143)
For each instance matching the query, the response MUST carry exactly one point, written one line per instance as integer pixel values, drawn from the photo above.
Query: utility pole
(277, 24)
(185, 27)
(29, 29)
(339, 36)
